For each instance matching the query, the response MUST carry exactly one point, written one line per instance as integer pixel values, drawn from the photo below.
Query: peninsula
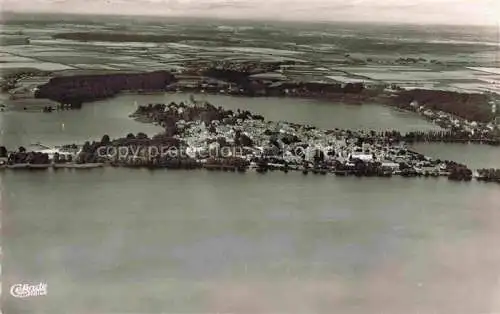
(201, 135)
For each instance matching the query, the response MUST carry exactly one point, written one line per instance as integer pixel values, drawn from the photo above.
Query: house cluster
(201, 84)
(301, 146)
(449, 121)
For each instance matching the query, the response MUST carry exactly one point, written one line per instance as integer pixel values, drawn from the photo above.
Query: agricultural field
(411, 57)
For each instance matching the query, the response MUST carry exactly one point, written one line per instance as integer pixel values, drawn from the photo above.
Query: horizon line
(248, 19)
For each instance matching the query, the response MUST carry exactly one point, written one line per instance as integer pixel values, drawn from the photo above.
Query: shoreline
(239, 79)
(252, 169)
(200, 125)
(420, 102)
(424, 137)
(200, 133)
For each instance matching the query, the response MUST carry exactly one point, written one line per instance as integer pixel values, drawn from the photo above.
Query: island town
(204, 136)
(201, 132)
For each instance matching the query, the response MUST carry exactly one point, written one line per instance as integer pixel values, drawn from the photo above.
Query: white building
(39, 148)
(363, 157)
(390, 165)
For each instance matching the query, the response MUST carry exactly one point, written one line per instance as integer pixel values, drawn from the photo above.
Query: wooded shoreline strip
(78, 89)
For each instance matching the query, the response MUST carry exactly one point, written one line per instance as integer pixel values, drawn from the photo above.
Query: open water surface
(134, 241)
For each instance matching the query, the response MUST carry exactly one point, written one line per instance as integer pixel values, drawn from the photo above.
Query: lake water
(139, 241)
(473, 155)
(111, 116)
(72, 126)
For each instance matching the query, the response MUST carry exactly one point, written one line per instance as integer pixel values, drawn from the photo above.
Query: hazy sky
(412, 11)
